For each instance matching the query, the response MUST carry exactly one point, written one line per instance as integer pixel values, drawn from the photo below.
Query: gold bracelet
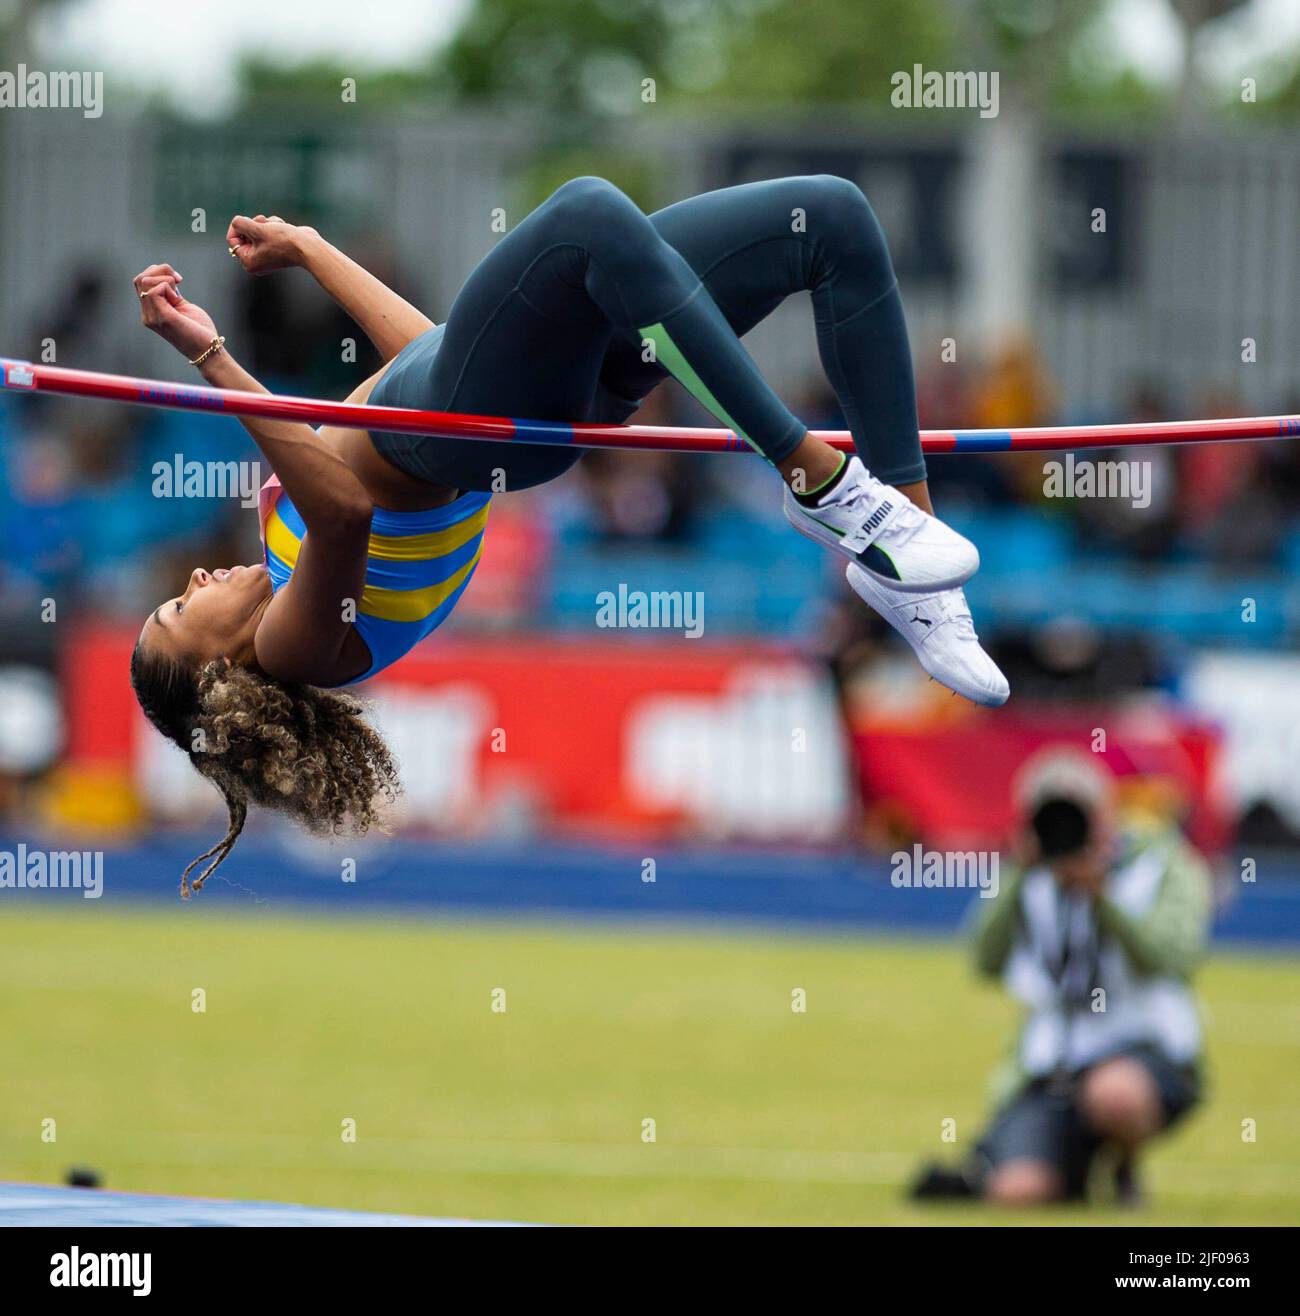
(214, 346)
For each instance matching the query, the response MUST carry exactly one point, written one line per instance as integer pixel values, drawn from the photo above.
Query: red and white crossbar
(22, 376)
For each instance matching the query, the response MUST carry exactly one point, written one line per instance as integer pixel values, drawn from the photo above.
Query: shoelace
(907, 518)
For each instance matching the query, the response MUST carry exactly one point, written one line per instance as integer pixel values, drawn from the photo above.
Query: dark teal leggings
(588, 303)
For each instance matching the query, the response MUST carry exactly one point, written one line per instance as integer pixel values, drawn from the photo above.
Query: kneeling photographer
(1097, 934)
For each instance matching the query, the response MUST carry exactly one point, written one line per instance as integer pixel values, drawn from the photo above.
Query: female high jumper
(371, 538)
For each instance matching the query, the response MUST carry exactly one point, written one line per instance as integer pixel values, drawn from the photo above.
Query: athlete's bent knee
(592, 197)
(840, 193)
(841, 219)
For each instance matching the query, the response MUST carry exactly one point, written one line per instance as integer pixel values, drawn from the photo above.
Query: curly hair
(303, 751)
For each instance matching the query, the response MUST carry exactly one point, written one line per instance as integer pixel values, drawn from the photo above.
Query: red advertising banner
(604, 736)
(667, 738)
(954, 785)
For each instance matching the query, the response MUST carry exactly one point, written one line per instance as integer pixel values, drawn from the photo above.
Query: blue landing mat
(42, 1204)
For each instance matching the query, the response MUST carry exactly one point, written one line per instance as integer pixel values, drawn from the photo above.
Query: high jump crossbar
(23, 376)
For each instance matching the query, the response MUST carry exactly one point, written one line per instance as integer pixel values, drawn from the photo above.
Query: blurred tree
(831, 51)
(1194, 16)
(587, 60)
(268, 82)
(576, 64)
(1280, 98)
(1065, 58)
(580, 56)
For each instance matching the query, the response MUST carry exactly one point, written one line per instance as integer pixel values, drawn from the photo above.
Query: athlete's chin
(252, 581)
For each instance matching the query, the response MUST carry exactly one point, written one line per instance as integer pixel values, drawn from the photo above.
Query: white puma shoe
(939, 628)
(884, 533)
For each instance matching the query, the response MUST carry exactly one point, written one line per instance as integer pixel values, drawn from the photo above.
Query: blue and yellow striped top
(418, 567)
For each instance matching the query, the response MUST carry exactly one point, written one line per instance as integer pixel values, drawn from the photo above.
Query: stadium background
(356, 981)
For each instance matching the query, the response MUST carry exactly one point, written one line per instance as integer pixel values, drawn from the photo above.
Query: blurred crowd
(1226, 505)
(80, 522)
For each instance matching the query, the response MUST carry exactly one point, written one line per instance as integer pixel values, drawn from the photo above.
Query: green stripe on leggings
(669, 355)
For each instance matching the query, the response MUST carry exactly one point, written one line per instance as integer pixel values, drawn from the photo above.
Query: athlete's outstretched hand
(187, 327)
(266, 243)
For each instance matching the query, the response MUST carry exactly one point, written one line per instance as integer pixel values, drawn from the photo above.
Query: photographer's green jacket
(1098, 974)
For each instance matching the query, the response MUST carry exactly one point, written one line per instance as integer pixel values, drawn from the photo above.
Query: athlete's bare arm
(263, 244)
(306, 633)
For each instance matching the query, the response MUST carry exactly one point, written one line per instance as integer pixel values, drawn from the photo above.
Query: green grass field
(763, 1115)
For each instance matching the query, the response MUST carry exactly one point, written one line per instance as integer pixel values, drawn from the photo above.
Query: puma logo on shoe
(878, 515)
(947, 646)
